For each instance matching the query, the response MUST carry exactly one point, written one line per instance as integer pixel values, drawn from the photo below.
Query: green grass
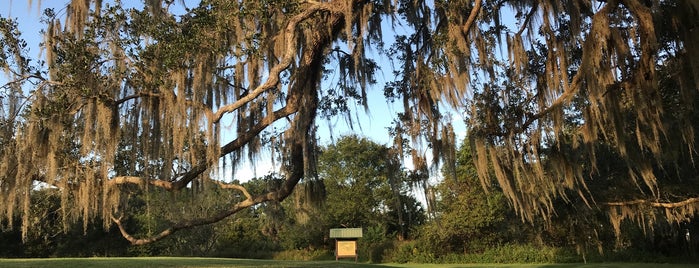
(220, 262)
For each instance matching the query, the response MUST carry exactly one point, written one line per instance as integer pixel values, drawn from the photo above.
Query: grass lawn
(220, 262)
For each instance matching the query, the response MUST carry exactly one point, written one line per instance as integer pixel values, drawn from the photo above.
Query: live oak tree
(547, 85)
(142, 98)
(593, 83)
(160, 90)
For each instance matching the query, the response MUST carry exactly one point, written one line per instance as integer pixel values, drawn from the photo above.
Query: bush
(412, 252)
(304, 255)
(516, 253)
(635, 255)
(374, 244)
(409, 251)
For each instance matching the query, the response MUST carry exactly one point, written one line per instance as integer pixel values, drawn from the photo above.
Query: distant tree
(468, 219)
(358, 169)
(364, 186)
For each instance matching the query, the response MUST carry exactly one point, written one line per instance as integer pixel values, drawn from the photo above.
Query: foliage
(130, 100)
(139, 98)
(369, 174)
(358, 169)
(468, 219)
(410, 252)
(47, 238)
(374, 243)
(509, 253)
(535, 106)
(304, 255)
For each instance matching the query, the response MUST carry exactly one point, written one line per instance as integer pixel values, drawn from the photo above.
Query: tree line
(363, 185)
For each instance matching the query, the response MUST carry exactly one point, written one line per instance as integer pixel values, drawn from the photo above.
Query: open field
(220, 262)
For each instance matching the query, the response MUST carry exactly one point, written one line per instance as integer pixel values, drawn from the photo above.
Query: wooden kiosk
(346, 242)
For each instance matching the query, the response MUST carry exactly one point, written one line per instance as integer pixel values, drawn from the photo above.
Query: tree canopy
(142, 97)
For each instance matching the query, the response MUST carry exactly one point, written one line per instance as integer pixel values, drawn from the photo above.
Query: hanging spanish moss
(142, 97)
(581, 80)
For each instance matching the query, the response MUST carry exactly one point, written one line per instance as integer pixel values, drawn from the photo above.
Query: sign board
(346, 248)
(346, 242)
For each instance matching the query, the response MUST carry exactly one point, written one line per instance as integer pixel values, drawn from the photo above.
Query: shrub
(409, 251)
(304, 255)
(525, 253)
(412, 252)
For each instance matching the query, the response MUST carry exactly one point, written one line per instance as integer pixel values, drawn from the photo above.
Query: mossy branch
(289, 54)
(655, 204)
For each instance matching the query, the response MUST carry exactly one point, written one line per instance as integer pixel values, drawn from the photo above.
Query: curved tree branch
(654, 204)
(167, 185)
(238, 187)
(289, 53)
(181, 181)
(278, 195)
(295, 173)
(527, 19)
(472, 17)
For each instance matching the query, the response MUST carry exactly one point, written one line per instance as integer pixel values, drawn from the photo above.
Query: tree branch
(181, 181)
(682, 203)
(167, 185)
(527, 19)
(295, 174)
(238, 187)
(289, 53)
(472, 17)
